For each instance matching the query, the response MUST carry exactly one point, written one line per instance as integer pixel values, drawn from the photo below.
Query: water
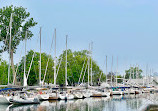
(115, 103)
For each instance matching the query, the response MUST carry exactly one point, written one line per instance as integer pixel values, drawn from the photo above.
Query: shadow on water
(115, 103)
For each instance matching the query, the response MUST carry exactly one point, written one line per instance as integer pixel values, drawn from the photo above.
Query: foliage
(34, 72)
(21, 23)
(134, 72)
(119, 77)
(16, 19)
(3, 72)
(75, 61)
(119, 80)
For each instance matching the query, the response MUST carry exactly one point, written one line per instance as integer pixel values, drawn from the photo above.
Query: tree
(3, 72)
(119, 80)
(21, 23)
(135, 73)
(34, 72)
(75, 61)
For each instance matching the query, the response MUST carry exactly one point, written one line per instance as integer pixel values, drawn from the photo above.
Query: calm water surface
(115, 103)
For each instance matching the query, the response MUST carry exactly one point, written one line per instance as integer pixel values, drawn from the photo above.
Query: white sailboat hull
(129, 91)
(66, 96)
(54, 96)
(69, 96)
(105, 94)
(117, 92)
(62, 96)
(43, 96)
(96, 94)
(86, 95)
(132, 91)
(78, 96)
(26, 101)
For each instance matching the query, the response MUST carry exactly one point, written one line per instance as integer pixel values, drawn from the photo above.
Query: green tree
(75, 61)
(119, 80)
(135, 73)
(20, 24)
(34, 72)
(3, 72)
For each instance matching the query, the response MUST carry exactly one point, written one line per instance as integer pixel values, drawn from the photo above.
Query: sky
(127, 29)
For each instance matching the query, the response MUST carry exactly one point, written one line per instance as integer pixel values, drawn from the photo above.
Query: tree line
(76, 69)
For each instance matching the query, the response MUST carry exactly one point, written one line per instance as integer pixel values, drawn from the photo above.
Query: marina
(67, 57)
(79, 98)
(123, 103)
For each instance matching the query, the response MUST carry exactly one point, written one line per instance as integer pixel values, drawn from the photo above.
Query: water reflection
(115, 103)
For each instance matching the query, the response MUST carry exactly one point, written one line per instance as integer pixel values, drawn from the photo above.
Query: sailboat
(68, 94)
(115, 90)
(54, 94)
(77, 94)
(25, 98)
(86, 93)
(104, 86)
(130, 90)
(4, 98)
(42, 95)
(62, 95)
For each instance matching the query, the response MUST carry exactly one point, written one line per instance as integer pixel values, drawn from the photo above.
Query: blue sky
(124, 28)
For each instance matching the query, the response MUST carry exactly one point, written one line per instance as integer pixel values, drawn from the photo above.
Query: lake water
(115, 103)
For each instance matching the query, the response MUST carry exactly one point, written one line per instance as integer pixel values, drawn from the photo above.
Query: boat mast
(88, 63)
(147, 74)
(117, 71)
(10, 46)
(66, 64)
(130, 73)
(150, 77)
(111, 70)
(55, 60)
(106, 70)
(91, 62)
(40, 61)
(133, 71)
(138, 72)
(143, 79)
(25, 79)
